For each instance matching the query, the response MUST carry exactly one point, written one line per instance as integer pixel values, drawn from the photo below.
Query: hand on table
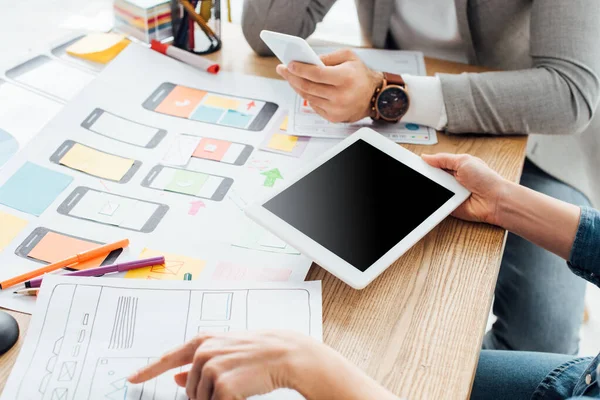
(235, 365)
(238, 365)
(486, 185)
(339, 92)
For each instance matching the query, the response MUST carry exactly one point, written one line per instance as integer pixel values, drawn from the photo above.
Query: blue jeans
(519, 375)
(539, 302)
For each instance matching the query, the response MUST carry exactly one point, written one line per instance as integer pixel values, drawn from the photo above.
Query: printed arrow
(251, 104)
(272, 175)
(196, 206)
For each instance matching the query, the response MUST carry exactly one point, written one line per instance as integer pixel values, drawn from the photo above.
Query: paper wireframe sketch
(304, 121)
(182, 211)
(88, 335)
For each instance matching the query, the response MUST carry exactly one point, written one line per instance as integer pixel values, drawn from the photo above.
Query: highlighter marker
(185, 57)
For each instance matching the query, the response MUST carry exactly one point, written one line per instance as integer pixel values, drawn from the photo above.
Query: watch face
(392, 103)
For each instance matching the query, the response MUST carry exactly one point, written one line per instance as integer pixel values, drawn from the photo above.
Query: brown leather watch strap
(393, 79)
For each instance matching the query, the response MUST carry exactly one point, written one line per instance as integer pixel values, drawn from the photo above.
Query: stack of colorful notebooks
(144, 19)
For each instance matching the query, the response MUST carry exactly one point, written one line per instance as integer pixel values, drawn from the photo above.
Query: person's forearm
(543, 220)
(328, 375)
(297, 17)
(558, 95)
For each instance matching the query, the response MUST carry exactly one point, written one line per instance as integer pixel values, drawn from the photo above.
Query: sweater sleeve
(297, 17)
(559, 94)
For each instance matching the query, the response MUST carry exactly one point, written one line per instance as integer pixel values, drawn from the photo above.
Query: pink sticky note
(228, 271)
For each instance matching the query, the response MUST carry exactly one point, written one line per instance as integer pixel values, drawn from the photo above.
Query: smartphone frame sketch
(91, 119)
(36, 236)
(242, 158)
(79, 192)
(36, 62)
(67, 145)
(217, 196)
(258, 124)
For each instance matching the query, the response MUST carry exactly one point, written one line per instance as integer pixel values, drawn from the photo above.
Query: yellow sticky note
(282, 142)
(98, 47)
(97, 163)
(221, 102)
(175, 268)
(284, 124)
(10, 227)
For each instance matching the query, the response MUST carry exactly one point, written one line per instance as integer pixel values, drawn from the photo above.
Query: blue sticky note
(236, 119)
(207, 114)
(8, 147)
(33, 188)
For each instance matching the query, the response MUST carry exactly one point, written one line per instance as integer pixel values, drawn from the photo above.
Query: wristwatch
(390, 101)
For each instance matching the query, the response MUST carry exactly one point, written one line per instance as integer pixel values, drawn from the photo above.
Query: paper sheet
(89, 334)
(10, 227)
(305, 122)
(109, 115)
(96, 163)
(176, 267)
(33, 188)
(181, 150)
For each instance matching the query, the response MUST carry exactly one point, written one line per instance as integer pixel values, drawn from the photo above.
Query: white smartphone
(290, 48)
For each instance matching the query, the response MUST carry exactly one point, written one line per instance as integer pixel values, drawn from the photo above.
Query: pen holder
(197, 25)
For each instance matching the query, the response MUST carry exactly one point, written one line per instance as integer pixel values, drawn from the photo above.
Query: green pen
(187, 276)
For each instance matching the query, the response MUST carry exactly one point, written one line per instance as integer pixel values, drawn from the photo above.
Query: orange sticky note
(55, 247)
(181, 101)
(283, 142)
(175, 267)
(211, 149)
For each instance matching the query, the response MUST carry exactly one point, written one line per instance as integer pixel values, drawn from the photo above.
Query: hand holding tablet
(360, 206)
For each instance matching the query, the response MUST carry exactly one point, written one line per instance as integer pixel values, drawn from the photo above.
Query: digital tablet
(357, 208)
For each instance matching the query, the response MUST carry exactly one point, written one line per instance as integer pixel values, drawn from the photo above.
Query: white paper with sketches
(88, 335)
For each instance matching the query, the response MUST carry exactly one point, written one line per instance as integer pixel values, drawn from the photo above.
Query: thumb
(449, 162)
(338, 57)
(181, 379)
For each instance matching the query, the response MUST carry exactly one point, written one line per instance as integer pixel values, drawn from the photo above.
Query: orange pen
(77, 258)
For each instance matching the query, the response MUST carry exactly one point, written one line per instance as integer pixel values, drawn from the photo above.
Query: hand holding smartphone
(290, 48)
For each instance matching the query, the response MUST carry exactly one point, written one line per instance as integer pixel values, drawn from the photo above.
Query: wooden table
(417, 329)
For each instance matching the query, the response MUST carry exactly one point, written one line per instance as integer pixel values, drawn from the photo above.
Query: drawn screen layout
(124, 130)
(87, 338)
(52, 77)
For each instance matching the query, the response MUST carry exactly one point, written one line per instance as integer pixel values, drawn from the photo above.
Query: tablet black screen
(359, 204)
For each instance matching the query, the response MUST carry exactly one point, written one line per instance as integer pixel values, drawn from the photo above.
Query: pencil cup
(197, 25)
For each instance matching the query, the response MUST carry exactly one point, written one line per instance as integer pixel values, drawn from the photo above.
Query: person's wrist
(375, 82)
(309, 369)
(503, 206)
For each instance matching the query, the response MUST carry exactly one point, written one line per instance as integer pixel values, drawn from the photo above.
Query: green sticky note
(187, 182)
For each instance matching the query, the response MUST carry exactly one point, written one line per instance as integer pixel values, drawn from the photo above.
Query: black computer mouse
(9, 332)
